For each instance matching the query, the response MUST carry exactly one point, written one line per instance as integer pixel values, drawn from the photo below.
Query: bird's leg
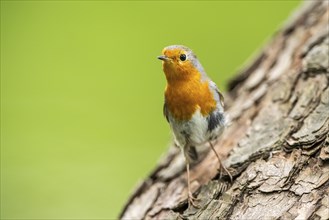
(191, 198)
(220, 163)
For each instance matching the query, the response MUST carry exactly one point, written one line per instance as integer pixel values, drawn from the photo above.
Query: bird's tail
(192, 154)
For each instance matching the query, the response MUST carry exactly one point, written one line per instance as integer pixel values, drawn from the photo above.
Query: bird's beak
(163, 57)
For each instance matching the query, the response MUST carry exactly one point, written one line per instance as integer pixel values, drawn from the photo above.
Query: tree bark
(276, 147)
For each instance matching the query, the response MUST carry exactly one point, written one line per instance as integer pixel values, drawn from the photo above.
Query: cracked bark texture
(277, 146)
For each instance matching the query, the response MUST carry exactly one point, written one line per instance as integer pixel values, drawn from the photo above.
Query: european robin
(193, 105)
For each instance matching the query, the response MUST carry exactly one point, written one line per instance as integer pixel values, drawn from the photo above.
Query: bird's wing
(219, 95)
(165, 111)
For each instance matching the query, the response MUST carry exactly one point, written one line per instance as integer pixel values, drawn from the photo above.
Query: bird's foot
(192, 200)
(221, 168)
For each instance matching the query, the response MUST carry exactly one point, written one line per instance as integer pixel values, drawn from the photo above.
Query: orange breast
(184, 97)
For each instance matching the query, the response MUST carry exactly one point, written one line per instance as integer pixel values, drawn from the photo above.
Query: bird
(193, 106)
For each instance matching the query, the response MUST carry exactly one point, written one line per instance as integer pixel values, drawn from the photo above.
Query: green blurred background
(82, 93)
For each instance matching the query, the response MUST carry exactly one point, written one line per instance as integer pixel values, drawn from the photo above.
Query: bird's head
(179, 63)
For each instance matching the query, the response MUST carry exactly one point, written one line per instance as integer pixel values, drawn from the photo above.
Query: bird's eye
(182, 57)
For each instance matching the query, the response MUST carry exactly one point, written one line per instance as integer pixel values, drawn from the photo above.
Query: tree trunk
(276, 147)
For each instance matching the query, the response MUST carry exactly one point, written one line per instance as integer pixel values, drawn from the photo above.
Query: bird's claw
(226, 171)
(192, 199)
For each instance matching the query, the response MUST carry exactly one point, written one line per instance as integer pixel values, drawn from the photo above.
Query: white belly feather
(195, 131)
